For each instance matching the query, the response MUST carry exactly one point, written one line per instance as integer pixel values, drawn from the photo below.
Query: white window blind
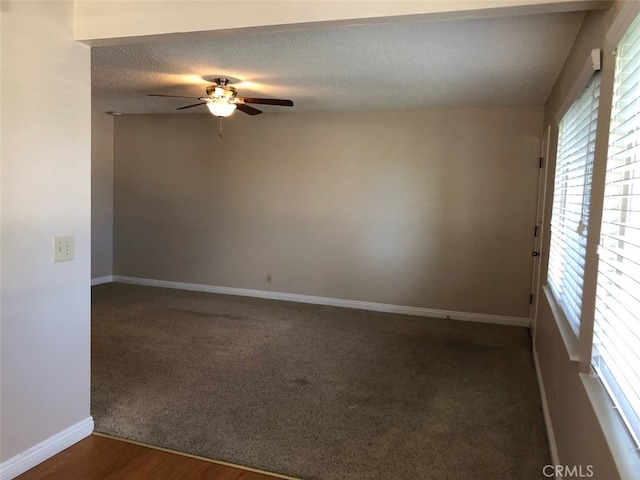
(616, 342)
(571, 194)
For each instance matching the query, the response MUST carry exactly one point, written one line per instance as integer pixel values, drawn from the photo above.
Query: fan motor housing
(221, 89)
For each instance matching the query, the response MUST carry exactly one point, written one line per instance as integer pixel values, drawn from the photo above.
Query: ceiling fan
(222, 99)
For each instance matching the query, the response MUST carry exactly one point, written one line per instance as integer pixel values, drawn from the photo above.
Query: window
(572, 190)
(616, 341)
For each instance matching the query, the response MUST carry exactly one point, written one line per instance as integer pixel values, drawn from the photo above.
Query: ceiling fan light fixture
(222, 99)
(220, 107)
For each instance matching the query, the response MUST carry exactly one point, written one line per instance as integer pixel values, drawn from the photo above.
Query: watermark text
(568, 471)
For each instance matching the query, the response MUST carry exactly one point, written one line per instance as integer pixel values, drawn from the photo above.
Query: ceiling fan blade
(247, 109)
(172, 96)
(194, 105)
(269, 101)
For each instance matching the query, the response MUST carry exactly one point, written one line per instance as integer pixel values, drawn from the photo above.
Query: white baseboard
(101, 280)
(335, 302)
(553, 448)
(28, 459)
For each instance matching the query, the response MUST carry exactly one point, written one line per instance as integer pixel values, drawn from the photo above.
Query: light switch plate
(63, 248)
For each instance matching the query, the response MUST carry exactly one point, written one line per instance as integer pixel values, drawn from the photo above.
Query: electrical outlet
(268, 278)
(62, 248)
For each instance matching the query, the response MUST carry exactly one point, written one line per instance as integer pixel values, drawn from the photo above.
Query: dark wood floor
(102, 458)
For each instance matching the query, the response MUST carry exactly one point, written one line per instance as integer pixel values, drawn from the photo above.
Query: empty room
(320, 240)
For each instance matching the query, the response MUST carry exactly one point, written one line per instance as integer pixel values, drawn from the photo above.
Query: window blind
(616, 342)
(571, 195)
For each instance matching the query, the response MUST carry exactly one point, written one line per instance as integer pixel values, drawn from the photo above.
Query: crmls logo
(567, 471)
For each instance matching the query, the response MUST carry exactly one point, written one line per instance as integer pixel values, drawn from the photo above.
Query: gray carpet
(315, 392)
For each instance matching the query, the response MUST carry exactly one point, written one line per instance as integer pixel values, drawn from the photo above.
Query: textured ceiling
(501, 61)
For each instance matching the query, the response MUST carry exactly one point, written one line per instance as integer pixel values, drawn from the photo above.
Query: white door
(539, 231)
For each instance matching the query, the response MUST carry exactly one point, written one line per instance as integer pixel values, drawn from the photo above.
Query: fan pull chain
(220, 126)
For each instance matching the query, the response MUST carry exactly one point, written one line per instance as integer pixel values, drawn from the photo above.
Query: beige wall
(101, 194)
(579, 437)
(432, 209)
(100, 22)
(46, 169)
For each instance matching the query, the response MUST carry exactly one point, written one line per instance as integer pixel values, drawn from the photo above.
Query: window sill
(568, 337)
(623, 450)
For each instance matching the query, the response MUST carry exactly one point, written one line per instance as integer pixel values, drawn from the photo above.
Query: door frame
(539, 230)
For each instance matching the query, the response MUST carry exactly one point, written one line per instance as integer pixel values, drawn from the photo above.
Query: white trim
(101, 280)
(621, 24)
(553, 447)
(335, 302)
(28, 459)
(623, 450)
(536, 277)
(568, 337)
(592, 64)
